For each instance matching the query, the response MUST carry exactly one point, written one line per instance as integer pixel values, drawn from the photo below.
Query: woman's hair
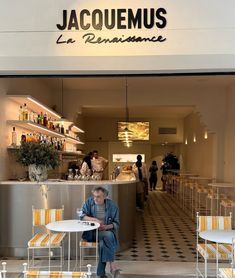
(87, 159)
(154, 162)
(102, 189)
(139, 157)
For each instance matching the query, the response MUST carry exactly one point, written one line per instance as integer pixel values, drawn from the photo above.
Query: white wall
(8, 110)
(105, 129)
(229, 158)
(28, 40)
(199, 157)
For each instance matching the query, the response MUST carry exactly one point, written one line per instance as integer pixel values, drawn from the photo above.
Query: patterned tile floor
(164, 232)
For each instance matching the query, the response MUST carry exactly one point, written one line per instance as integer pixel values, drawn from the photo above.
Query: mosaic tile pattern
(164, 232)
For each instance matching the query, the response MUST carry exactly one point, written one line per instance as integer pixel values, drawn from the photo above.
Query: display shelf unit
(34, 105)
(31, 126)
(38, 107)
(64, 153)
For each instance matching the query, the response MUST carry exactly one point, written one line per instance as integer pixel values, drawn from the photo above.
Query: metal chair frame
(198, 271)
(49, 248)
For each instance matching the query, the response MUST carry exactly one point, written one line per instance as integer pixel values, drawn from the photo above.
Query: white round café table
(218, 236)
(73, 226)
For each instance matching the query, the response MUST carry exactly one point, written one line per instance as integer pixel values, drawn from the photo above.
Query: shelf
(34, 105)
(73, 140)
(74, 128)
(31, 126)
(72, 153)
(68, 153)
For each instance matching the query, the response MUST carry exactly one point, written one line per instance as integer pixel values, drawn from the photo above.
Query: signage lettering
(117, 19)
(110, 19)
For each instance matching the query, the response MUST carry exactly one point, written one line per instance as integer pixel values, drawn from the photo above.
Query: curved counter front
(17, 199)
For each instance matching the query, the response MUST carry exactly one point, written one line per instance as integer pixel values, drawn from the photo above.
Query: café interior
(188, 116)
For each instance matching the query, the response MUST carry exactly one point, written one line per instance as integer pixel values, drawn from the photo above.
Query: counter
(17, 198)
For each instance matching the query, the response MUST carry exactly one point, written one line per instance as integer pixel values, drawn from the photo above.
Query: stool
(201, 192)
(85, 245)
(226, 203)
(212, 196)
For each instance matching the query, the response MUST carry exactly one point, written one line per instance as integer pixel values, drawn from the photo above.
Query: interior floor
(164, 232)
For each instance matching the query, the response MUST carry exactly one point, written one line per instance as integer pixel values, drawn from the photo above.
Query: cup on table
(79, 213)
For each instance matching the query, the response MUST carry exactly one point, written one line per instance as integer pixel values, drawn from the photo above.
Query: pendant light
(127, 132)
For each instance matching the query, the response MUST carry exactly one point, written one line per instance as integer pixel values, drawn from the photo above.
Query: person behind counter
(105, 212)
(98, 164)
(86, 169)
(153, 175)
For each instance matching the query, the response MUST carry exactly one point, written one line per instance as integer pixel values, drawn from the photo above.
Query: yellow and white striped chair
(44, 239)
(208, 250)
(226, 273)
(56, 274)
(84, 245)
(3, 272)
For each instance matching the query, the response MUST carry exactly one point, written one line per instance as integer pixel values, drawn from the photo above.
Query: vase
(37, 173)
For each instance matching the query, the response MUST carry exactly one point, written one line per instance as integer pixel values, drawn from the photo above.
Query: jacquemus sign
(96, 21)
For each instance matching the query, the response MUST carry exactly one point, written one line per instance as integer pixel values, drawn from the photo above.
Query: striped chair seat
(209, 251)
(84, 243)
(226, 273)
(54, 274)
(42, 240)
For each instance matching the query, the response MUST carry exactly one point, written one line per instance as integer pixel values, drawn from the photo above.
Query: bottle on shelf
(62, 129)
(14, 137)
(23, 137)
(21, 114)
(25, 113)
(41, 119)
(45, 120)
(63, 146)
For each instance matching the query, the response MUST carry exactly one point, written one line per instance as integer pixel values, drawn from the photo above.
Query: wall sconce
(194, 138)
(186, 141)
(205, 134)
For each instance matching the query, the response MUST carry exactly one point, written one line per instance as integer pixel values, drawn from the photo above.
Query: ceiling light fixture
(127, 133)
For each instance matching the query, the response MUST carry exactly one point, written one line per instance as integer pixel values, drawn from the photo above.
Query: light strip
(73, 140)
(44, 107)
(47, 130)
(78, 129)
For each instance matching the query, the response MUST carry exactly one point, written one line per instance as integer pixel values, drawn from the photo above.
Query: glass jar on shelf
(70, 176)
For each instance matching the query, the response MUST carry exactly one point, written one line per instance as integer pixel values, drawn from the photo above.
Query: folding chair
(56, 274)
(228, 272)
(209, 250)
(45, 240)
(85, 245)
(3, 271)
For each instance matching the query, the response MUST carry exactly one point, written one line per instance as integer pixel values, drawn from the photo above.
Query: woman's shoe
(115, 272)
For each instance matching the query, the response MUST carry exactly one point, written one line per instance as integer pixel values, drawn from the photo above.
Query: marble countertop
(65, 182)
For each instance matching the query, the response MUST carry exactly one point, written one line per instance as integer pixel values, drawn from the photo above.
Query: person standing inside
(104, 211)
(86, 169)
(153, 175)
(164, 169)
(98, 164)
(140, 171)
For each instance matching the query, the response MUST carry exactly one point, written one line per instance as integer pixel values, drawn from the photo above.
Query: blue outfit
(108, 242)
